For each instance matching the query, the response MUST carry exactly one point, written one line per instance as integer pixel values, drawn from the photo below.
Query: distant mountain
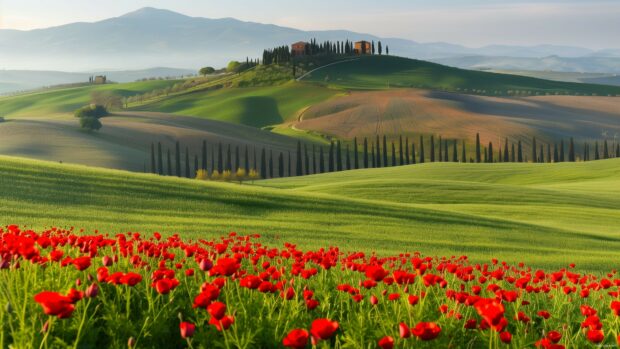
(590, 64)
(154, 37)
(21, 80)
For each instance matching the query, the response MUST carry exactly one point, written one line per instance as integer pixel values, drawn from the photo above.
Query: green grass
(67, 100)
(381, 72)
(252, 106)
(547, 215)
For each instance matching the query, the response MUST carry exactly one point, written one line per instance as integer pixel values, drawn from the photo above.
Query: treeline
(283, 54)
(223, 162)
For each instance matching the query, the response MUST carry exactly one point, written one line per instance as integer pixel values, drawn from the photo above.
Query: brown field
(124, 141)
(458, 116)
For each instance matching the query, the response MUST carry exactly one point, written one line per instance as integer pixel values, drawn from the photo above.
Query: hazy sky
(588, 23)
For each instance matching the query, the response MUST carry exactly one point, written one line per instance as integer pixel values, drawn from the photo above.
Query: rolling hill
(545, 214)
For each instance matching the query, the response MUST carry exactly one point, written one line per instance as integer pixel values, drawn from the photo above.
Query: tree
(228, 159)
(356, 161)
(299, 159)
(338, 157)
(206, 71)
(400, 151)
(440, 158)
(478, 155)
(432, 149)
(605, 150)
(380, 48)
(446, 156)
(490, 156)
(263, 164)
(618, 150)
(562, 158)
(421, 150)
(153, 164)
(90, 123)
(160, 161)
(520, 152)
(463, 153)
(246, 160)
(177, 159)
(196, 167)
(385, 155)
(187, 165)
(365, 152)
(237, 158)
(506, 159)
(513, 155)
(596, 153)
(348, 158)
(556, 156)
(407, 158)
(321, 161)
(220, 159)
(393, 154)
(373, 158)
(387, 50)
(534, 149)
(281, 165)
(330, 159)
(571, 151)
(549, 152)
(307, 160)
(313, 160)
(169, 163)
(270, 164)
(378, 154)
(413, 161)
(204, 155)
(455, 153)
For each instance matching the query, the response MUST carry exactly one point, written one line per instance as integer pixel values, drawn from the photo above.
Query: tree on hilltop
(206, 71)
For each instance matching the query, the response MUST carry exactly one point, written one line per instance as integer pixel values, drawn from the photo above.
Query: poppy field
(67, 288)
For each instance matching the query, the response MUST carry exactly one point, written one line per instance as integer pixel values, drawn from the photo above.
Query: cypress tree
(246, 160)
(378, 161)
(385, 151)
(263, 164)
(196, 168)
(478, 155)
(506, 155)
(348, 158)
(338, 156)
(356, 157)
(432, 149)
(177, 154)
(299, 159)
(548, 152)
(534, 149)
(500, 158)
(204, 155)
(270, 163)
(237, 159)
(618, 150)
(187, 166)
(407, 158)
(463, 153)
(490, 156)
(160, 161)
(586, 152)
(486, 155)
(153, 163)
(281, 165)
(413, 161)
(400, 151)
(313, 160)
(213, 159)
(440, 157)
(330, 159)
(220, 159)
(365, 152)
(562, 157)
(605, 150)
(228, 159)
(596, 154)
(556, 156)
(393, 154)
(373, 158)
(307, 159)
(513, 155)
(455, 155)
(571, 151)
(421, 150)
(321, 161)
(445, 149)
(290, 174)
(169, 163)
(519, 152)
(541, 154)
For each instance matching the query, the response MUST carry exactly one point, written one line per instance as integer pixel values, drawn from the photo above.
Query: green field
(381, 72)
(67, 100)
(546, 215)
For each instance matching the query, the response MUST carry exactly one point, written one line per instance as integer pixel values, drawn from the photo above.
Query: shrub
(93, 110)
(202, 175)
(90, 123)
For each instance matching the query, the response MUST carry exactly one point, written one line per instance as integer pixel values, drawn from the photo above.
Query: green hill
(381, 72)
(545, 214)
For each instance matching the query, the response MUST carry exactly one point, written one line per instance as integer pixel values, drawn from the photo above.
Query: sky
(593, 24)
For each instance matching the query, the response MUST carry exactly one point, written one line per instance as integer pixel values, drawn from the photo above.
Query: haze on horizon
(593, 24)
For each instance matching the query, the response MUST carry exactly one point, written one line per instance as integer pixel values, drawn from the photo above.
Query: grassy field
(381, 72)
(546, 215)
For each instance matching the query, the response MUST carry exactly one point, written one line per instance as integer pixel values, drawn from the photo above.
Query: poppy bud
(131, 342)
(78, 282)
(205, 265)
(92, 291)
(46, 327)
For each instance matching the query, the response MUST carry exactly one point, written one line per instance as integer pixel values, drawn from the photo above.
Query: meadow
(545, 214)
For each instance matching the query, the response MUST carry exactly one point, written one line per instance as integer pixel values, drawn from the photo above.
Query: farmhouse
(299, 48)
(99, 79)
(362, 48)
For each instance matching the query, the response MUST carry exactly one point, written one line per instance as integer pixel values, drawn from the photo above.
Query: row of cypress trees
(370, 153)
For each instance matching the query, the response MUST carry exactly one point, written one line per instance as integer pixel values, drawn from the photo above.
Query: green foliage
(90, 123)
(206, 70)
(93, 110)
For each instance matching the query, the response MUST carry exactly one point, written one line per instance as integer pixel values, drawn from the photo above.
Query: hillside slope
(370, 217)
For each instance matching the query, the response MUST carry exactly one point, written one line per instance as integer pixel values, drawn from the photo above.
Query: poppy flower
(131, 279)
(223, 323)
(226, 266)
(615, 307)
(426, 330)
(323, 328)
(217, 310)
(505, 337)
(81, 263)
(403, 330)
(554, 336)
(187, 329)
(296, 339)
(386, 342)
(376, 272)
(55, 304)
(595, 336)
(312, 304)
(164, 286)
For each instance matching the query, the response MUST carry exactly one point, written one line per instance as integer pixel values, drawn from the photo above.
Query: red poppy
(554, 336)
(505, 337)
(226, 266)
(386, 342)
(187, 329)
(81, 263)
(55, 304)
(296, 339)
(131, 279)
(376, 272)
(403, 330)
(615, 307)
(217, 310)
(426, 330)
(164, 286)
(223, 323)
(595, 336)
(323, 328)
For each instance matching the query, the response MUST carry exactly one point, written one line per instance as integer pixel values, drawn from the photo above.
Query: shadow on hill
(258, 111)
